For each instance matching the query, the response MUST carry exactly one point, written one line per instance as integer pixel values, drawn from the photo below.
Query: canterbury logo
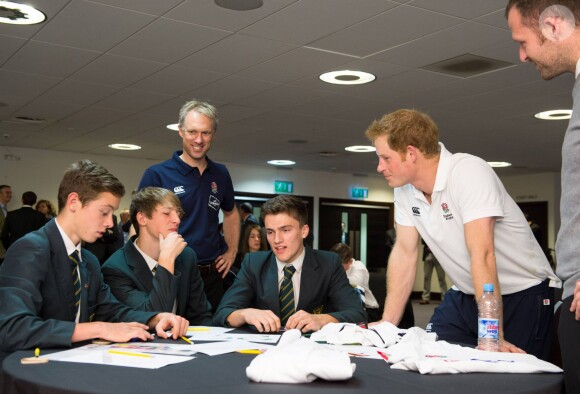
(416, 211)
(178, 189)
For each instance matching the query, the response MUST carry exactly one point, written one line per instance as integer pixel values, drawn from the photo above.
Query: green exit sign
(283, 187)
(359, 192)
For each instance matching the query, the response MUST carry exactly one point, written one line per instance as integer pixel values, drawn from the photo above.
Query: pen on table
(36, 352)
(383, 355)
(186, 339)
(250, 351)
(130, 354)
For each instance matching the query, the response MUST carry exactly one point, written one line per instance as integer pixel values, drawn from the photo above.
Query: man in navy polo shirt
(204, 187)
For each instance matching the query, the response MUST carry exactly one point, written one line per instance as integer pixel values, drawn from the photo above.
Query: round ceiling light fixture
(124, 146)
(499, 164)
(19, 14)
(239, 5)
(347, 77)
(555, 114)
(281, 162)
(360, 148)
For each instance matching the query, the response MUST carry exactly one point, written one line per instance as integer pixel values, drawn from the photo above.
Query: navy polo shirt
(201, 196)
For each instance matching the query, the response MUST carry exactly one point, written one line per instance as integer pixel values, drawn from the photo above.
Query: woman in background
(253, 240)
(46, 208)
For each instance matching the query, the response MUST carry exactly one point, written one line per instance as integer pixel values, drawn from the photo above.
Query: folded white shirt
(299, 360)
(418, 352)
(380, 335)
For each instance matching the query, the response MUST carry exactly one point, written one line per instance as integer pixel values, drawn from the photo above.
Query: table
(227, 374)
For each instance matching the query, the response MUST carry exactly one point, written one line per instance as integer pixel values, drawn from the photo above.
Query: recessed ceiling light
(124, 146)
(19, 14)
(281, 162)
(173, 126)
(347, 77)
(499, 164)
(360, 148)
(555, 114)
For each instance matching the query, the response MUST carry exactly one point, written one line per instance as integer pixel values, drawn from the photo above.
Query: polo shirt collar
(445, 158)
(185, 168)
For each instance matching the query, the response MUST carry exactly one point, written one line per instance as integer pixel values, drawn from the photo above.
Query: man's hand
(575, 307)
(165, 321)
(224, 262)
(122, 332)
(169, 248)
(506, 347)
(263, 320)
(305, 321)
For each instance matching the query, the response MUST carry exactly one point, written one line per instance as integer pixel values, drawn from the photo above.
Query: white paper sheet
(97, 354)
(229, 346)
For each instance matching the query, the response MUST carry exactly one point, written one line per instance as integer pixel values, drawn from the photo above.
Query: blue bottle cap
(488, 287)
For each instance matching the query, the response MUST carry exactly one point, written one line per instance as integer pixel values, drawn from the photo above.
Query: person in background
(430, 262)
(548, 34)
(246, 214)
(155, 270)
(253, 240)
(5, 197)
(291, 286)
(46, 208)
(109, 243)
(358, 277)
(204, 187)
(51, 290)
(458, 205)
(22, 221)
(125, 224)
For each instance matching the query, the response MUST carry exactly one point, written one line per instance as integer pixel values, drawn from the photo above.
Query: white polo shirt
(466, 189)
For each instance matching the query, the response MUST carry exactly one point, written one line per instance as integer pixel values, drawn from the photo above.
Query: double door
(361, 225)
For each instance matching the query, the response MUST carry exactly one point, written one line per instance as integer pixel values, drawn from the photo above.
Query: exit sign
(283, 187)
(359, 192)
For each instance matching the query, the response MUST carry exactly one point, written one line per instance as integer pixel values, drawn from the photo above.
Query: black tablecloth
(227, 374)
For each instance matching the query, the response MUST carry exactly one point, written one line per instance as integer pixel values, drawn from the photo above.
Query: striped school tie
(74, 260)
(287, 307)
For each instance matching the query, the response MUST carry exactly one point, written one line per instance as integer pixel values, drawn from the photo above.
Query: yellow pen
(250, 351)
(130, 354)
(186, 339)
(198, 329)
(36, 352)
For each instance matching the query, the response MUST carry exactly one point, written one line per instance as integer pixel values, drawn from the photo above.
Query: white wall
(41, 171)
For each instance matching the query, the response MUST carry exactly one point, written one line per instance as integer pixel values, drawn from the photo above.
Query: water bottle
(488, 320)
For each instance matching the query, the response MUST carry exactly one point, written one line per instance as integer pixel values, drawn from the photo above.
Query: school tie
(74, 263)
(287, 307)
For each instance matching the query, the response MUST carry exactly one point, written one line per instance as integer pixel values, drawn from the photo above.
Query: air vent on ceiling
(467, 65)
(31, 120)
(328, 154)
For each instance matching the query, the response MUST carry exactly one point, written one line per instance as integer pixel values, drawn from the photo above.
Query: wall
(41, 171)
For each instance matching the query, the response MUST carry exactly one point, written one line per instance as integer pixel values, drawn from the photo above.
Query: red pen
(383, 356)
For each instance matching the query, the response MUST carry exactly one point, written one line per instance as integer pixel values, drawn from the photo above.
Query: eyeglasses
(196, 133)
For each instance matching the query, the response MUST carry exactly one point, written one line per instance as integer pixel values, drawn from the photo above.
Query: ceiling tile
(177, 80)
(299, 63)
(385, 31)
(26, 85)
(236, 53)
(81, 24)
(78, 93)
(49, 59)
(116, 70)
(167, 41)
(230, 89)
(154, 7)
(10, 46)
(133, 100)
(301, 22)
(445, 44)
(468, 9)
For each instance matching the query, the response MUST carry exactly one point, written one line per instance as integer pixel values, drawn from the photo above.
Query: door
(361, 225)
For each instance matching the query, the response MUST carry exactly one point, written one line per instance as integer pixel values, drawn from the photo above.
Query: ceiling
(117, 71)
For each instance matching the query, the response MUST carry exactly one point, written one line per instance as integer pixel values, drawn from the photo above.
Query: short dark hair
(88, 179)
(147, 199)
(29, 198)
(530, 10)
(343, 251)
(290, 205)
(246, 207)
(5, 186)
